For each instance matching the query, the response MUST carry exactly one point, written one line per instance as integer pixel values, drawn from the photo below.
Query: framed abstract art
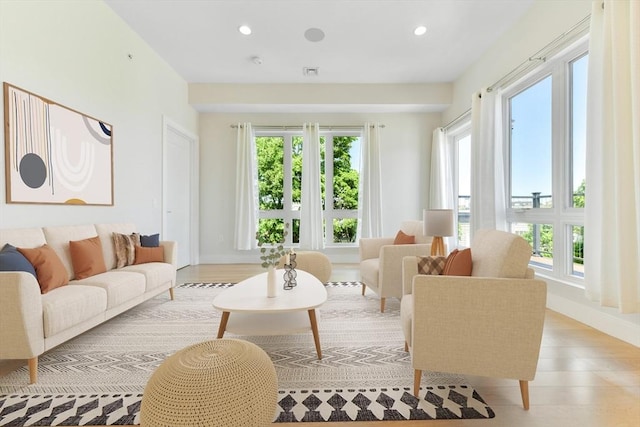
(54, 154)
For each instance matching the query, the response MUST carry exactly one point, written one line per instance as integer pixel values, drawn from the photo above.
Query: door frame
(194, 184)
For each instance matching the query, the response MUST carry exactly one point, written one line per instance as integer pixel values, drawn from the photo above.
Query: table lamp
(437, 223)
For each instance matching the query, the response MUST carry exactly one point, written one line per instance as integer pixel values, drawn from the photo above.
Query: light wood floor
(585, 378)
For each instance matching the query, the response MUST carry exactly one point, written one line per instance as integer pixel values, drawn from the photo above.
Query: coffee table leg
(223, 324)
(314, 329)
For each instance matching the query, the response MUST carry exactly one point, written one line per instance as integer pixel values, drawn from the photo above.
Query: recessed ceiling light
(419, 31)
(314, 34)
(244, 29)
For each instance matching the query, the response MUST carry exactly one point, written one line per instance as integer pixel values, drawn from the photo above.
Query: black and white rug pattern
(364, 375)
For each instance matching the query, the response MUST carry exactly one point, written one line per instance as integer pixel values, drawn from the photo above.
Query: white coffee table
(257, 314)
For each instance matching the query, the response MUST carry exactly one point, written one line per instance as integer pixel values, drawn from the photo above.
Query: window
(280, 184)
(546, 117)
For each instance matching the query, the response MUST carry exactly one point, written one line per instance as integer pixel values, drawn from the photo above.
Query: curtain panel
(488, 201)
(311, 236)
(370, 188)
(246, 189)
(612, 200)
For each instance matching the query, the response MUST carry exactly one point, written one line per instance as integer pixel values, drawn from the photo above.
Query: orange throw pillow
(86, 257)
(404, 239)
(458, 263)
(149, 254)
(50, 271)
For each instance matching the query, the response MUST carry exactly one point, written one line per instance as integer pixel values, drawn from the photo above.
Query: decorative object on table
(290, 271)
(64, 150)
(270, 257)
(437, 223)
(227, 382)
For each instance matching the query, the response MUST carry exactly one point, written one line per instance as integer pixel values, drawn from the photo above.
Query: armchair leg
(406, 346)
(417, 375)
(524, 391)
(382, 301)
(171, 293)
(364, 288)
(33, 370)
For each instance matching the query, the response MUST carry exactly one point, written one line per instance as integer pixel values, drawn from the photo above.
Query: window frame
(287, 213)
(454, 135)
(563, 215)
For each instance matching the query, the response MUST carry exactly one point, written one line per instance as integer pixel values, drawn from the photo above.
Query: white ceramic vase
(272, 286)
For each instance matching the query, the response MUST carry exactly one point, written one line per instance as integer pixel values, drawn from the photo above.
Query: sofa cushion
(12, 260)
(69, 306)
(50, 272)
(22, 237)
(145, 255)
(404, 239)
(58, 238)
(105, 231)
(151, 241)
(124, 246)
(458, 263)
(500, 254)
(120, 286)
(86, 257)
(369, 269)
(156, 273)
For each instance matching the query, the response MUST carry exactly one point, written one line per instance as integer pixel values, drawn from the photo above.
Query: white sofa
(32, 323)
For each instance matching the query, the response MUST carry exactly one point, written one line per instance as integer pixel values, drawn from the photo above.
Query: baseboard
(598, 319)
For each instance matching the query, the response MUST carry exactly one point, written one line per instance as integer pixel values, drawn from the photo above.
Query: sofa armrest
(409, 269)
(21, 319)
(370, 246)
(391, 259)
(477, 325)
(170, 252)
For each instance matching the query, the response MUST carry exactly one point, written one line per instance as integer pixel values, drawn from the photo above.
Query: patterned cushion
(433, 265)
(124, 245)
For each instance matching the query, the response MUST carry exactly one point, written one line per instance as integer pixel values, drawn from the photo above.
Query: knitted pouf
(225, 382)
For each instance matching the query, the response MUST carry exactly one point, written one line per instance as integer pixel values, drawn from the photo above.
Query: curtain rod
(558, 43)
(457, 120)
(298, 127)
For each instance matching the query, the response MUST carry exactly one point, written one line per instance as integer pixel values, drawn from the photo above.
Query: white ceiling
(366, 41)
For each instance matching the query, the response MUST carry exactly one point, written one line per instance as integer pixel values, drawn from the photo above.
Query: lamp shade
(438, 222)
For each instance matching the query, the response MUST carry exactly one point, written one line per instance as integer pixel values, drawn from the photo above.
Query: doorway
(180, 191)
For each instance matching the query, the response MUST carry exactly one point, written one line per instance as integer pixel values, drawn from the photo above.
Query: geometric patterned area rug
(365, 375)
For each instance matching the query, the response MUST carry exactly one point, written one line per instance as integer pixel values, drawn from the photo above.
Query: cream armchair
(489, 324)
(381, 261)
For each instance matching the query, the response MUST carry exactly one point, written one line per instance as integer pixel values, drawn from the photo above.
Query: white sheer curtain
(246, 189)
(488, 202)
(311, 236)
(612, 202)
(441, 180)
(441, 177)
(370, 191)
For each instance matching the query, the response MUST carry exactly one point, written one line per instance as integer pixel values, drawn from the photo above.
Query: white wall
(405, 152)
(543, 23)
(76, 54)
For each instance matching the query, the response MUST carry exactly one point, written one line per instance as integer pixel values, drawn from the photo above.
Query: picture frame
(54, 154)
